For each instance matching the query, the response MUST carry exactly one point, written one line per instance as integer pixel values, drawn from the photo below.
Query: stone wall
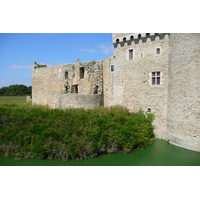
(63, 101)
(128, 83)
(79, 78)
(184, 91)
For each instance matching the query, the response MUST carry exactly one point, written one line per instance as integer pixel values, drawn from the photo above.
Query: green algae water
(159, 153)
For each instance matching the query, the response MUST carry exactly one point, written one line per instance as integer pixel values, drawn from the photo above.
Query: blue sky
(18, 51)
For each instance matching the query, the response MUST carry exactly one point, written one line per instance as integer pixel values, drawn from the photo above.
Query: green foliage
(93, 62)
(42, 133)
(16, 90)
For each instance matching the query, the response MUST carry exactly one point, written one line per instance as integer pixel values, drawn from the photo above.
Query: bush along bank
(41, 133)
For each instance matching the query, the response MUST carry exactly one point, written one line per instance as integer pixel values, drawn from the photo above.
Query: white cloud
(21, 67)
(106, 48)
(89, 50)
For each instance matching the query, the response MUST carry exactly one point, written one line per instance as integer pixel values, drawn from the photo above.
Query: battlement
(120, 39)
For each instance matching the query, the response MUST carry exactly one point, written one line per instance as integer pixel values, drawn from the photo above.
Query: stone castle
(155, 72)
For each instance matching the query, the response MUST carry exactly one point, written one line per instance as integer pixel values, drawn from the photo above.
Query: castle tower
(183, 118)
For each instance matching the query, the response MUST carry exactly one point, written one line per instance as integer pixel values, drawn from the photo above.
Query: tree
(16, 90)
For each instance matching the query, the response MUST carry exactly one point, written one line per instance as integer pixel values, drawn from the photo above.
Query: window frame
(156, 78)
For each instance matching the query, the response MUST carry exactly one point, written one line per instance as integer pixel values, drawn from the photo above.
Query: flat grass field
(12, 100)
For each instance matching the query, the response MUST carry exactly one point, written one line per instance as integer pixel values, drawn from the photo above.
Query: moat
(160, 153)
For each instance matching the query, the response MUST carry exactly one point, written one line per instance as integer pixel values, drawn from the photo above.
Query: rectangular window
(155, 78)
(131, 54)
(66, 75)
(112, 68)
(74, 89)
(82, 70)
(158, 51)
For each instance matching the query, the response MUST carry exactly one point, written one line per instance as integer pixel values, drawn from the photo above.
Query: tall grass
(42, 133)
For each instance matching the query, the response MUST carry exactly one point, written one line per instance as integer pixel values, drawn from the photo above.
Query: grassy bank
(38, 132)
(12, 100)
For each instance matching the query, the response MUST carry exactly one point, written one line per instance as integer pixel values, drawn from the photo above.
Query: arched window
(124, 39)
(139, 36)
(131, 37)
(117, 40)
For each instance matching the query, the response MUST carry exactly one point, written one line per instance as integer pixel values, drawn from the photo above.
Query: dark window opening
(82, 70)
(139, 36)
(74, 89)
(149, 110)
(131, 54)
(96, 89)
(156, 78)
(117, 40)
(66, 75)
(147, 34)
(67, 88)
(131, 37)
(158, 51)
(124, 39)
(112, 68)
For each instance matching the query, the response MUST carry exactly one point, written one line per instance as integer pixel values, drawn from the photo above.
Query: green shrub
(38, 132)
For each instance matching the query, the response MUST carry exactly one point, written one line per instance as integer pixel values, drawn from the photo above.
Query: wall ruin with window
(77, 79)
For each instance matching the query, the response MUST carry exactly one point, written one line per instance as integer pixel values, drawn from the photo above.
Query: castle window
(112, 68)
(139, 36)
(124, 39)
(67, 87)
(148, 110)
(74, 89)
(131, 37)
(81, 72)
(66, 75)
(96, 89)
(155, 78)
(117, 40)
(130, 54)
(157, 50)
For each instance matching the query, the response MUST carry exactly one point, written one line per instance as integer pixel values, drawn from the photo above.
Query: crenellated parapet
(119, 39)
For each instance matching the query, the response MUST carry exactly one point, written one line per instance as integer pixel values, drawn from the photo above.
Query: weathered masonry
(155, 72)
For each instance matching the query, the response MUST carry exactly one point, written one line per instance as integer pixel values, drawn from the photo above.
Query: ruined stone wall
(128, 83)
(184, 91)
(79, 78)
(63, 101)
